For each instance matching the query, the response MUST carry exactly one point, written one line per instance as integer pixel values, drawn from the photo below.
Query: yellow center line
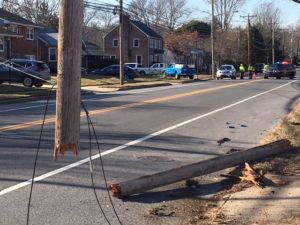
(93, 112)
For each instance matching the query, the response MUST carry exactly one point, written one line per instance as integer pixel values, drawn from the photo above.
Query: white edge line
(131, 143)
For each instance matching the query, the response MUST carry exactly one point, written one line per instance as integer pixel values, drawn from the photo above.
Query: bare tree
(43, 12)
(225, 10)
(167, 13)
(266, 14)
(10, 6)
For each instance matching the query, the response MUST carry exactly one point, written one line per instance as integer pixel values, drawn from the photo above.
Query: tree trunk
(67, 127)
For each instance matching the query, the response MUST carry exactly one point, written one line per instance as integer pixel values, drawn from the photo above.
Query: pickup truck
(157, 68)
(178, 70)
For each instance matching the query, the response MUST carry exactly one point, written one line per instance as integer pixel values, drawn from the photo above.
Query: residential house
(92, 54)
(141, 44)
(18, 38)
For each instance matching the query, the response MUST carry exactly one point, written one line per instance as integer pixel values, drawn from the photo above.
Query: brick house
(141, 44)
(92, 54)
(18, 37)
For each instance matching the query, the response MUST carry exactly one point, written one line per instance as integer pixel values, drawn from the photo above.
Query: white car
(156, 68)
(226, 71)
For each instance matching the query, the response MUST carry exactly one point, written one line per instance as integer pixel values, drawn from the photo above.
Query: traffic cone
(254, 75)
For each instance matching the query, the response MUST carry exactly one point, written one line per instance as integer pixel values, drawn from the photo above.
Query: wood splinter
(63, 149)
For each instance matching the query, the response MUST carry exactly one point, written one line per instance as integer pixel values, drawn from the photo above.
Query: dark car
(114, 70)
(258, 67)
(280, 69)
(28, 72)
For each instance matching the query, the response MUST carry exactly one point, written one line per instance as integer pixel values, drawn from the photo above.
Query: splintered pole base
(62, 149)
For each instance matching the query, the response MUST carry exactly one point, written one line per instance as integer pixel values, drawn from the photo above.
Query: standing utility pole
(121, 43)
(249, 50)
(291, 51)
(67, 126)
(212, 42)
(249, 38)
(283, 44)
(273, 43)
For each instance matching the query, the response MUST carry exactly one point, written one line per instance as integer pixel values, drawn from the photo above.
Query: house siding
(21, 47)
(131, 32)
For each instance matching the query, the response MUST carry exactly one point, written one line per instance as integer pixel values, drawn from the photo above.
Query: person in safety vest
(250, 70)
(242, 70)
(266, 67)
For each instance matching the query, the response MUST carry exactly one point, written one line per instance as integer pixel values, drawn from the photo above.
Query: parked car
(114, 70)
(226, 71)
(179, 70)
(258, 67)
(28, 72)
(156, 68)
(280, 69)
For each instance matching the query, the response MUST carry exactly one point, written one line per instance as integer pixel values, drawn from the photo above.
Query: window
(115, 43)
(14, 28)
(160, 44)
(155, 43)
(52, 54)
(30, 33)
(151, 43)
(136, 43)
(151, 59)
(1, 44)
(113, 56)
(139, 59)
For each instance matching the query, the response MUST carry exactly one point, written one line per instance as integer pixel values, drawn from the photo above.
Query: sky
(290, 11)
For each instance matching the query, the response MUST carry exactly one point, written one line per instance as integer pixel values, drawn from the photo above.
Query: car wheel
(292, 76)
(191, 77)
(142, 73)
(278, 77)
(218, 78)
(38, 84)
(266, 77)
(126, 77)
(28, 81)
(176, 76)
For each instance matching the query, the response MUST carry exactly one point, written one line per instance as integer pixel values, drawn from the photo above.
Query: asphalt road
(141, 132)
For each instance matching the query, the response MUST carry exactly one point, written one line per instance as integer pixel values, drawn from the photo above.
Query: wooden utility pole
(249, 38)
(148, 182)
(273, 43)
(212, 41)
(121, 43)
(292, 47)
(249, 50)
(283, 45)
(67, 127)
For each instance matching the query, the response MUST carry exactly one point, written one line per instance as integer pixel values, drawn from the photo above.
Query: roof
(92, 49)
(8, 33)
(48, 35)
(14, 19)
(144, 28)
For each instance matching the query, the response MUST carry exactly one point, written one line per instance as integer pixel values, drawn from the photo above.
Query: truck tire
(191, 77)
(176, 76)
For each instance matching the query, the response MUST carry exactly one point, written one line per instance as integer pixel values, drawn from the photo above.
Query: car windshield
(225, 68)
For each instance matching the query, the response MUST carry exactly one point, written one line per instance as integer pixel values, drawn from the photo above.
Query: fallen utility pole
(67, 126)
(197, 169)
